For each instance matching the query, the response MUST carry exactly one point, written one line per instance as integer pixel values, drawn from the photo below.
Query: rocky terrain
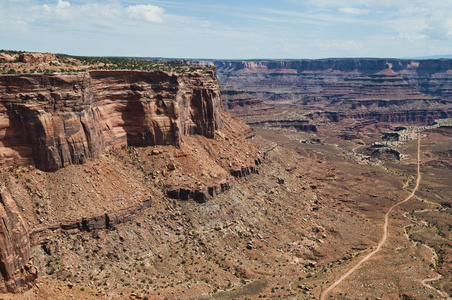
(51, 121)
(136, 184)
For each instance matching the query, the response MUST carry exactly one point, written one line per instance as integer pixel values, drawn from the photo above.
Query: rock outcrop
(200, 193)
(16, 267)
(6, 57)
(104, 221)
(245, 106)
(54, 120)
(37, 58)
(240, 171)
(298, 125)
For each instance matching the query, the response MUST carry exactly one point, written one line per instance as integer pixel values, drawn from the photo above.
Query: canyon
(327, 102)
(133, 179)
(367, 91)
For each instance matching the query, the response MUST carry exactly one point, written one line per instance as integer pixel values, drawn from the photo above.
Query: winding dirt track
(383, 239)
(359, 146)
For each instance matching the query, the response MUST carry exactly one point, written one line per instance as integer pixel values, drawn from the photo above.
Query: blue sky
(229, 29)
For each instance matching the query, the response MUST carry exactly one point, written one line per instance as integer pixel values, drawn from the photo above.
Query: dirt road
(360, 145)
(383, 239)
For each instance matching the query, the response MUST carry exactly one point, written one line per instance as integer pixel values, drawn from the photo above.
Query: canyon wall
(430, 77)
(384, 90)
(16, 267)
(245, 106)
(54, 120)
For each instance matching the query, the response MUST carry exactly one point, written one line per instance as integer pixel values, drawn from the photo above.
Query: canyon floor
(354, 200)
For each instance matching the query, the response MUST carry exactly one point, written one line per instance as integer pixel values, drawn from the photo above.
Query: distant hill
(441, 56)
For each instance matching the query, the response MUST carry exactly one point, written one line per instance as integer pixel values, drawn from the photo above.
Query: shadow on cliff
(16, 139)
(140, 130)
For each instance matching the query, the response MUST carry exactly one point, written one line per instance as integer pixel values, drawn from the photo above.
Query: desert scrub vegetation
(73, 64)
(124, 63)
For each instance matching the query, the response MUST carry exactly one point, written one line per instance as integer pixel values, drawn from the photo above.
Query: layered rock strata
(200, 193)
(382, 90)
(16, 266)
(298, 125)
(204, 192)
(54, 120)
(431, 77)
(240, 171)
(245, 106)
(104, 221)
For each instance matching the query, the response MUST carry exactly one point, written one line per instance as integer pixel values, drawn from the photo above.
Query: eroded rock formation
(200, 193)
(6, 57)
(244, 105)
(16, 267)
(54, 120)
(37, 58)
(104, 221)
(389, 91)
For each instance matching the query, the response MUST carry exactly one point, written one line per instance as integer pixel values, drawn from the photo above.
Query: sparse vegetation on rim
(70, 64)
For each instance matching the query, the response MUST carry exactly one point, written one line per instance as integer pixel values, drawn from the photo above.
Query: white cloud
(110, 13)
(148, 13)
(411, 37)
(354, 11)
(63, 4)
(353, 3)
(62, 11)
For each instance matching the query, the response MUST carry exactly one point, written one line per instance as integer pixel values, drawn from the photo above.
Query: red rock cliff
(53, 120)
(15, 253)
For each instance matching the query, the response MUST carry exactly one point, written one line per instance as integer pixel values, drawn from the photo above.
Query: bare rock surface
(37, 58)
(6, 57)
(362, 95)
(16, 267)
(56, 120)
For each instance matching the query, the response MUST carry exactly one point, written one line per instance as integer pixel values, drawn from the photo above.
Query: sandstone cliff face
(54, 120)
(385, 90)
(15, 254)
(244, 105)
(431, 77)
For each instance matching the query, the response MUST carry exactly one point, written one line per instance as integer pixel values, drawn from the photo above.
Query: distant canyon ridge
(393, 91)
